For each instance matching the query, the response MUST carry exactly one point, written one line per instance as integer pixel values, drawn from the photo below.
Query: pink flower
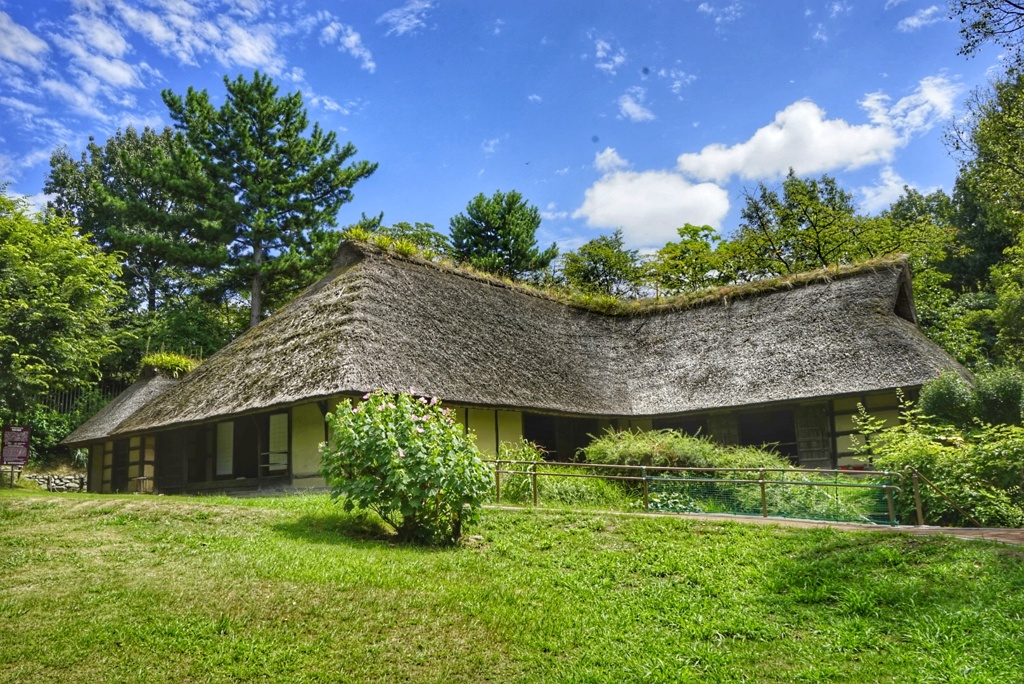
(356, 409)
(433, 401)
(418, 429)
(366, 396)
(401, 454)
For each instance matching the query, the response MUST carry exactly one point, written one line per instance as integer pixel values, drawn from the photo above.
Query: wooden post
(892, 508)
(497, 482)
(917, 498)
(535, 484)
(764, 496)
(647, 493)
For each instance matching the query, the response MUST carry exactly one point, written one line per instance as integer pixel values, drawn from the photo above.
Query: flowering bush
(407, 460)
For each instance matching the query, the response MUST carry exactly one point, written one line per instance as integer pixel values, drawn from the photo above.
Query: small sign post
(14, 447)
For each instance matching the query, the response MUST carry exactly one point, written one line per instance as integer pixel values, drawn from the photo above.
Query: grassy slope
(153, 589)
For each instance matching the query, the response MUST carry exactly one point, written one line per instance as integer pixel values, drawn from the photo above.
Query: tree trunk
(256, 291)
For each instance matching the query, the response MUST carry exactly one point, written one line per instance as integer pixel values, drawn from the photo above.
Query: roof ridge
(616, 306)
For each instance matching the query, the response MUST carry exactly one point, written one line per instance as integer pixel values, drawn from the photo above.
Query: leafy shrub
(948, 399)
(999, 396)
(979, 468)
(170, 363)
(667, 448)
(407, 460)
(565, 490)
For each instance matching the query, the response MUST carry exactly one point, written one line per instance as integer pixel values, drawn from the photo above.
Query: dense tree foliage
(261, 187)
(604, 266)
(57, 292)
(692, 263)
(498, 234)
(112, 193)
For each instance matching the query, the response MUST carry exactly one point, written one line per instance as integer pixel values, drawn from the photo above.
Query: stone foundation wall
(59, 483)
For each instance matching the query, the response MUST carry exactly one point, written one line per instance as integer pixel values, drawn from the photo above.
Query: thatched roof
(381, 321)
(107, 421)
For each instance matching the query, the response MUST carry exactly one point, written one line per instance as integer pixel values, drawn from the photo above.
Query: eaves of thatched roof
(382, 321)
(108, 419)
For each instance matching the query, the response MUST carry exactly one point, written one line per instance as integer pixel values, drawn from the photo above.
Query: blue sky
(633, 115)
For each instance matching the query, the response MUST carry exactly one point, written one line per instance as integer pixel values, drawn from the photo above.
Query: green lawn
(169, 589)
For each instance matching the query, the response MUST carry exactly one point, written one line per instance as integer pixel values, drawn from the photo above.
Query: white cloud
(801, 137)
(919, 112)
(19, 45)
(80, 97)
(499, 24)
(888, 189)
(24, 108)
(649, 206)
(490, 146)
(112, 72)
(406, 19)
(889, 4)
(534, 98)
(608, 160)
(678, 78)
(631, 105)
(921, 18)
(188, 32)
(722, 14)
(820, 34)
(606, 59)
(837, 8)
(100, 35)
(348, 40)
(552, 213)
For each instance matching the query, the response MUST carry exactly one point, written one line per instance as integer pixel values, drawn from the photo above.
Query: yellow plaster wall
(510, 427)
(307, 434)
(95, 467)
(481, 423)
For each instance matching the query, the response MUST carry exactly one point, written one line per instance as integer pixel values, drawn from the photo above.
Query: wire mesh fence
(833, 495)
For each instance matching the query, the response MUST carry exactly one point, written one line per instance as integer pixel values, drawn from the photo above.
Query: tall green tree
(261, 185)
(814, 224)
(57, 292)
(113, 194)
(809, 225)
(498, 234)
(696, 261)
(604, 266)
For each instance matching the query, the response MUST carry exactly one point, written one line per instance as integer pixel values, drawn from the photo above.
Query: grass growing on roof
(616, 306)
(175, 589)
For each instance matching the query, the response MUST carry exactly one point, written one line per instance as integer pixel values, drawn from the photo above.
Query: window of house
(225, 448)
(776, 430)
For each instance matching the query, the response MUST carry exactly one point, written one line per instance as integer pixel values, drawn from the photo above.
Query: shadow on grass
(338, 527)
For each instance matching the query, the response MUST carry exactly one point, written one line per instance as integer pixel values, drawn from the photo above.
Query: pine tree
(260, 186)
(497, 234)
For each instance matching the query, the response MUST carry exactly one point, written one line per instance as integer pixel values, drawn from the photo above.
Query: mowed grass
(290, 589)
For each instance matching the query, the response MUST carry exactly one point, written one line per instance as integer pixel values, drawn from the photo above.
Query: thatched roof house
(519, 363)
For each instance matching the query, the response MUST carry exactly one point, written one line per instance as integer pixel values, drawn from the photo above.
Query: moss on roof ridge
(615, 306)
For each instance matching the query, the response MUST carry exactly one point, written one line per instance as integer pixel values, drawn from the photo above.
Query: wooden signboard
(15, 446)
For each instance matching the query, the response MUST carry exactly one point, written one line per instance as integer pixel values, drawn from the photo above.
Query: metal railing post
(917, 497)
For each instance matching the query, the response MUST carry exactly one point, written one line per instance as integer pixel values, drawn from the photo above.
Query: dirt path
(1004, 535)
